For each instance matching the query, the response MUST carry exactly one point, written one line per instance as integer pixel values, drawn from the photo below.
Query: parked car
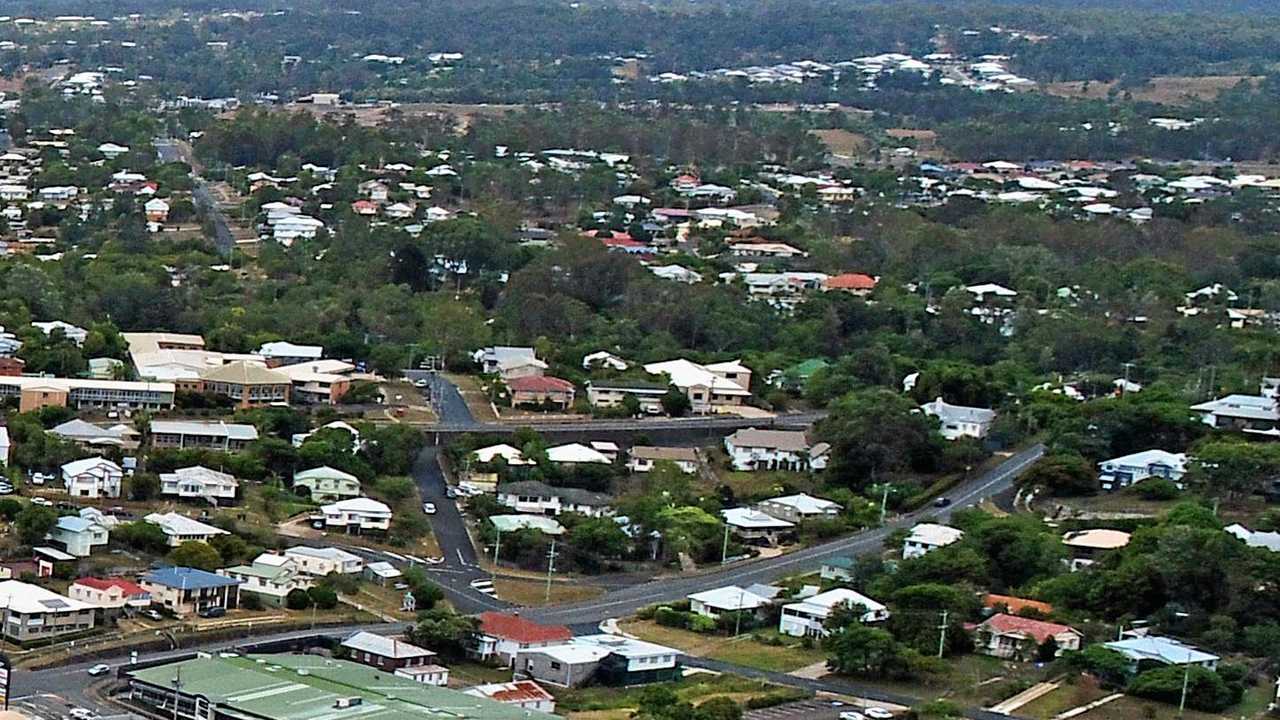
(429, 508)
(451, 492)
(852, 715)
(213, 612)
(421, 383)
(99, 669)
(43, 502)
(877, 713)
(152, 614)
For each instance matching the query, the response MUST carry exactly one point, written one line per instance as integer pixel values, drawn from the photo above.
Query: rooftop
(309, 687)
(20, 597)
(385, 646)
(215, 428)
(785, 440)
(187, 578)
(518, 629)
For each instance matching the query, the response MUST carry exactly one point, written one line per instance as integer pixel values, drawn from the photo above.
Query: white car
(852, 715)
(877, 713)
(45, 502)
(99, 669)
(429, 508)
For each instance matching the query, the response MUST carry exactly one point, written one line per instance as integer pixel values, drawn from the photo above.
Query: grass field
(533, 593)
(1170, 90)
(742, 650)
(842, 142)
(603, 703)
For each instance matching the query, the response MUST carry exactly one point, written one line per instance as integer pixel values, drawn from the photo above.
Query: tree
(144, 486)
(854, 649)
(298, 599)
(1063, 474)
(141, 536)
(877, 431)
(197, 555)
(1205, 689)
(444, 631)
(33, 523)
(675, 402)
(323, 598)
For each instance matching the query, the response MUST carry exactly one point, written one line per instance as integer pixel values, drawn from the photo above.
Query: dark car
(213, 612)
(942, 502)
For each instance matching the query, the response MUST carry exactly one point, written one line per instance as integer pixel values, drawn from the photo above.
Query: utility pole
(724, 548)
(737, 617)
(1186, 680)
(942, 634)
(551, 567)
(1125, 387)
(177, 688)
(884, 503)
(497, 544)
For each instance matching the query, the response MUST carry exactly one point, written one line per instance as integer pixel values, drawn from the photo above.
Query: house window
(555, 665)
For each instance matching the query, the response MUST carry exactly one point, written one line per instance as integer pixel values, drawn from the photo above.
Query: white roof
(806, 504)
(203, 475)
(360, 505)
(1097, 539)
(1150, 457)
(384, 646)
(383, 568)
(625, 646)
(175, 524)
(685, 374)
(232, 431)
(83, 466)
(730, 597)
(25, 598)
(327, 553)
(822, 603)
(1160, 649)
(749, 519)
(934, 534)
(289, 350)
(991, 288)
(512, 455)
(574, 653)
(324, 471)
(576, 453)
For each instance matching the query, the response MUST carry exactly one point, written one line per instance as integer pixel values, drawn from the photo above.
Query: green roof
(805, 369)
(308, 687)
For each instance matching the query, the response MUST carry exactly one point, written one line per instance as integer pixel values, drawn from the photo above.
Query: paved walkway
(1035, 692)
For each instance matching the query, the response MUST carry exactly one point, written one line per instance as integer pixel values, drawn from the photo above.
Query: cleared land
(1167, 90)
(842, 142)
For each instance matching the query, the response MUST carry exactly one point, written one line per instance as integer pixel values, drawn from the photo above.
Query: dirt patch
(463, 114)
(843, 142)
(533, 593)
(1167, 90)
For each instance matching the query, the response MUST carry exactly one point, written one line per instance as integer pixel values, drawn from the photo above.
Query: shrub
(700, 624)
(1157, 489)
(297, 600)
(670, 617)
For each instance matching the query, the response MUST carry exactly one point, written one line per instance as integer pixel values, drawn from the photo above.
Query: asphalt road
(628, 600)
(169, 151)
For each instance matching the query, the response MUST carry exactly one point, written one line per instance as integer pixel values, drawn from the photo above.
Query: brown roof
(245, 373)
(1016, 604)
(675, 454)
(792, 440)
(1038, 630)
(539, 384)
(851, 281)
(516, 628)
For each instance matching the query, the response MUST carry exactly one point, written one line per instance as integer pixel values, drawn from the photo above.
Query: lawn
(533, 593)
(968, 680)
(742, 650)
(599, 703)
(466, 674)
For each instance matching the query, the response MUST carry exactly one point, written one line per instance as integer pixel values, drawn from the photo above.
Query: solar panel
(54, 604)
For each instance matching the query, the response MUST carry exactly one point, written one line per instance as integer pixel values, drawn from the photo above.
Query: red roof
(1016, 604)
(517, 629)
(519, 691)
(851, 281)
(1038, 630)
(129, 587)
(539, 384)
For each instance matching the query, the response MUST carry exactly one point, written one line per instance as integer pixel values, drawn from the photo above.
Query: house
(111, 150)
(112, 594)
(1153, 650)
(4, 445)
(859, 284)
(1084, 547)
(1258, 414)
(576, 454)
(206, 435)
(74, 333)
(796, 508)
(92, 478)
(808, 617)
(1122, 472)
(775, 250)
(356, 443)
(34, 613)
(271, 577)
(509, 362)
(959, 421)
(326, 484)
(1016, 605)
(614, 393)
(1013, 637)
(395, 656)
(798, 375)
(180, 528)
(77, 536)
(356, 516)
(248, 384)
(157, 210)
(927, 537)
(382, 573)
(755, 526)
(710, 388)
(506, 453)
(201, 483)
(511, 523)
(540, 390)
(524, 694)
(319, 562)
(604, 359)
(611, 660)
(287, 353)
(643, 458)
(754, 449)
(319, 382)
(183, 590)
(532, 496)
(754, 600)
(988, 292)
(502, 636)
(91, 436)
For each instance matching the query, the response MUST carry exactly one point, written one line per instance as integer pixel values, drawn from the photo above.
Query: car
(451, 492)
(153, 615)
(429, 508)
(43, 502)
(421, 383)
(81, 714)
(99, 669)
(6, 489)
(942, 502)
(852, 715)
(877, 713)
(213, 612)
